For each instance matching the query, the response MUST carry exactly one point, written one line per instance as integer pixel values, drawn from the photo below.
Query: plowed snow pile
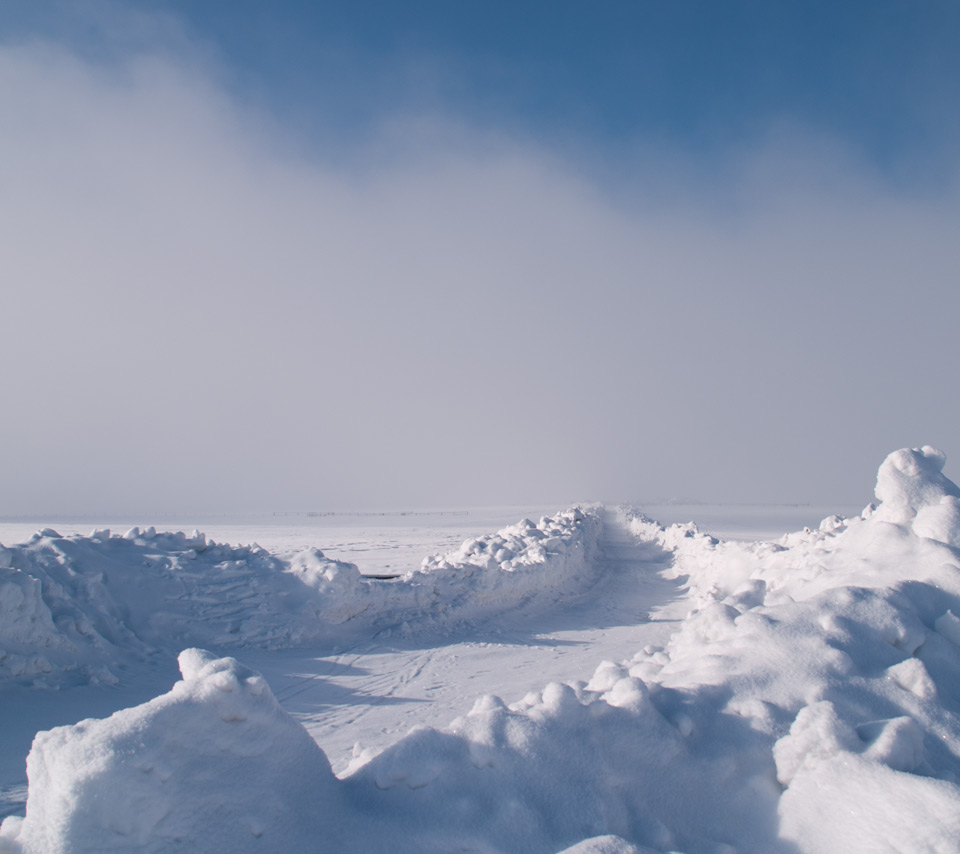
(75, 608)
(809, 702)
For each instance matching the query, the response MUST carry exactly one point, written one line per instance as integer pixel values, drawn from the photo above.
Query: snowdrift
(207, 767)
(841, 649)
(810, 702)
(76, 609)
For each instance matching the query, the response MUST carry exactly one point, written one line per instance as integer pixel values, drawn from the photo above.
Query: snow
(910, 484)
(795, 695)
(214, 764)
(78, 608)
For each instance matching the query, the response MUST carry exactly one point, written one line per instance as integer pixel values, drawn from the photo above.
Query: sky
(315, 256)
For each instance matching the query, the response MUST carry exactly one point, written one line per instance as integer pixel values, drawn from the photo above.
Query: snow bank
(521, 563)
(214, 765)
(77, 608)
(841, 649)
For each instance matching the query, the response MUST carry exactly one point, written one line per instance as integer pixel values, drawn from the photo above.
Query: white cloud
(196, 317)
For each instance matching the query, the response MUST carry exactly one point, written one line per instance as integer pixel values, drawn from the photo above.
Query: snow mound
(606, 844)
(214, 765)
(841, 648)
(77, 609)
(911, 479)
(520, 563)
(912, 491)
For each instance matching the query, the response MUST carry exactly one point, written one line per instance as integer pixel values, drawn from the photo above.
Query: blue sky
(883, 77)
(313, 256)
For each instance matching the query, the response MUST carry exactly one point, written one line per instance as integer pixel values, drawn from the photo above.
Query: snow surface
(809, 701)
(77, 608)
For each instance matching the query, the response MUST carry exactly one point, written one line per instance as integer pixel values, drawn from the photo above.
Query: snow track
(377, 690)
(347, 680)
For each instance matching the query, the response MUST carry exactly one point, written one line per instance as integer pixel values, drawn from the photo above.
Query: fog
(203, 313)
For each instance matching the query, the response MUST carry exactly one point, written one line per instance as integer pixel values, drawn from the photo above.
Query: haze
(211, 306)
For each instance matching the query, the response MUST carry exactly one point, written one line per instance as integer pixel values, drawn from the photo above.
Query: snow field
(810, 702)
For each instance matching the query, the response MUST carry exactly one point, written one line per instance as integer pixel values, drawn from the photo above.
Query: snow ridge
(75, 609)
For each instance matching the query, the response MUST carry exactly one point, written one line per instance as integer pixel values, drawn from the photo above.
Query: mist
(202, 313)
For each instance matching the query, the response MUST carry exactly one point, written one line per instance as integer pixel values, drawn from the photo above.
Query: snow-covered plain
(595, 682)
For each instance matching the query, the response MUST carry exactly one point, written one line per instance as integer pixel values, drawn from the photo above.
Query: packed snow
(799, 695)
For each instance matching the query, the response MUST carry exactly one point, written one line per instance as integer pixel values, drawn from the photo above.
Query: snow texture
(810, 702)
(214, 765)
(75, 609)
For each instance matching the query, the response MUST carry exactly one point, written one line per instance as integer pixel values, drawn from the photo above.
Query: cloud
(202, 313)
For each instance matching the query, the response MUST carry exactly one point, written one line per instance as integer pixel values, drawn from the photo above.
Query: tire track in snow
(374, 692)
